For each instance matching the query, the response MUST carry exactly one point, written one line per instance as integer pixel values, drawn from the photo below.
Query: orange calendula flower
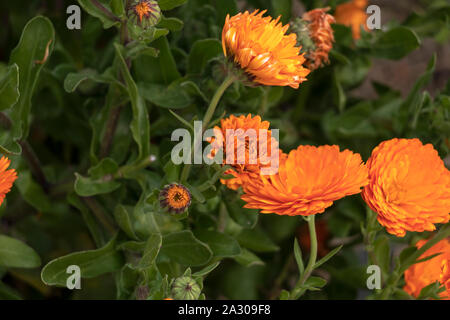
(7, 178)
(308, 181)
(352, 14)
(247, 144)
(321, 33)
(260, 47)
(422, 274)
(175, 197)
(409, 186)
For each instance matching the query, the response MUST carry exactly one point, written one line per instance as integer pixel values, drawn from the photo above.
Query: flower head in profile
(409, 186)
(315, 36)
(175, 197)
(7, 177)
(260, 47)
(307, 182)
(422, 274)
(246, 143)
(145, 12)
(352, 14)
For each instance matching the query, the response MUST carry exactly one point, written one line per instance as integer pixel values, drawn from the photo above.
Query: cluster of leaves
(87, 116)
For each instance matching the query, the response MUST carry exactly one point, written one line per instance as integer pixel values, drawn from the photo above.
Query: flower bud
(175, 197)
(146, 13)
(185, 288)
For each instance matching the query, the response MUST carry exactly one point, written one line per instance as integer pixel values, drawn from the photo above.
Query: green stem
(298, 290)
(207, 118)
(215, 100)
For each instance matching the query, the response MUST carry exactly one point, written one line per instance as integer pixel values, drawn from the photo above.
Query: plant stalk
(298, 290)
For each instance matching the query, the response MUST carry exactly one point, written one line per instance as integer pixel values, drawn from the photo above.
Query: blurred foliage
(86, 200)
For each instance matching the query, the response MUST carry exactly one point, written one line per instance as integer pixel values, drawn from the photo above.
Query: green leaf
(182, 247)
(246, 218)
(427, 258)
(123, 215)
(298, 257)
(382, 253)
(284, 295)
(7, 293)
(30, 55)
(203, 51)
(107, 20)
(140, 125)
(206, 270)
(248, 259)
(283, 8)
(172, 97)
(328, 256)
(74, 79)
(16, 254)
(91, 222)
(164, 69)
(33, 192)
(430, 291)
(338, 93)
(395, 43)
(92, 263)
(138, 49)
(313, 283)
(173, 24)
(151, 251)
(86, 186)
(256, 240)
(170, 4)
(222, 245)
(9, 87)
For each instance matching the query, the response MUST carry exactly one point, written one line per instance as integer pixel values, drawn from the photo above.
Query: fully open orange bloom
(409, 186)
(322, 35)
(352, 14)
(247, 158)
(308, 181)
(421, 274)
(7, 178)
(260, 47)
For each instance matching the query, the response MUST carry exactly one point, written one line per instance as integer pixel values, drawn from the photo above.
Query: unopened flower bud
(146, 13)
(185, 288)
